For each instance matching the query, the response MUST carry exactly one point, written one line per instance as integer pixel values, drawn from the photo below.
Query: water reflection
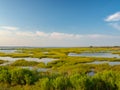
(100, 54)
(91, 73)
(108, 62)
(11, 60)
(34, 68)
(8, 51)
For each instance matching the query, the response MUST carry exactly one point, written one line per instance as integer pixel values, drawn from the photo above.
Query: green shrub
(22, 76)
(5, 75)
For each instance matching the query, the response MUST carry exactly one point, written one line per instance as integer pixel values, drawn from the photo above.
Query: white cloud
(4, 32)
(115, 25)
(57, 35)
(114, 20)
(29, 34)
(39, 38)
(113, 17)
(42, 34)
(8, 27)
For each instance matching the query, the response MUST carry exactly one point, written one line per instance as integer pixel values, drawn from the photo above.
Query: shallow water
(8, 51)
(86, 54)
(6, 63)
(33, 68)
(91, 73)
(100, 54)
(11, 60)
(108, 62)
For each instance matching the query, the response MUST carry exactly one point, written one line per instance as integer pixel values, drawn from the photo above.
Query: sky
(59, 23)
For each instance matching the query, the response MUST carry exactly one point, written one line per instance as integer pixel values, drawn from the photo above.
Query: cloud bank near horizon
(13, 36)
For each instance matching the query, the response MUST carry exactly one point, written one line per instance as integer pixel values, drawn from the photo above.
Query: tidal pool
(34, 68)
(11, 60)
(91, 73)
(7, 51)
(100, 54)
(102, 62)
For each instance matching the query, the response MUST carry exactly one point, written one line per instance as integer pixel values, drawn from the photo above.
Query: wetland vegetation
(56, 69)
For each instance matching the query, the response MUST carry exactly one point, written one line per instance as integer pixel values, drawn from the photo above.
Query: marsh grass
(66, 73)
(23, 62)
(2, 61)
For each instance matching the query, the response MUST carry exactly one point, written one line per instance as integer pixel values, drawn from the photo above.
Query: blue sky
(59, 22)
